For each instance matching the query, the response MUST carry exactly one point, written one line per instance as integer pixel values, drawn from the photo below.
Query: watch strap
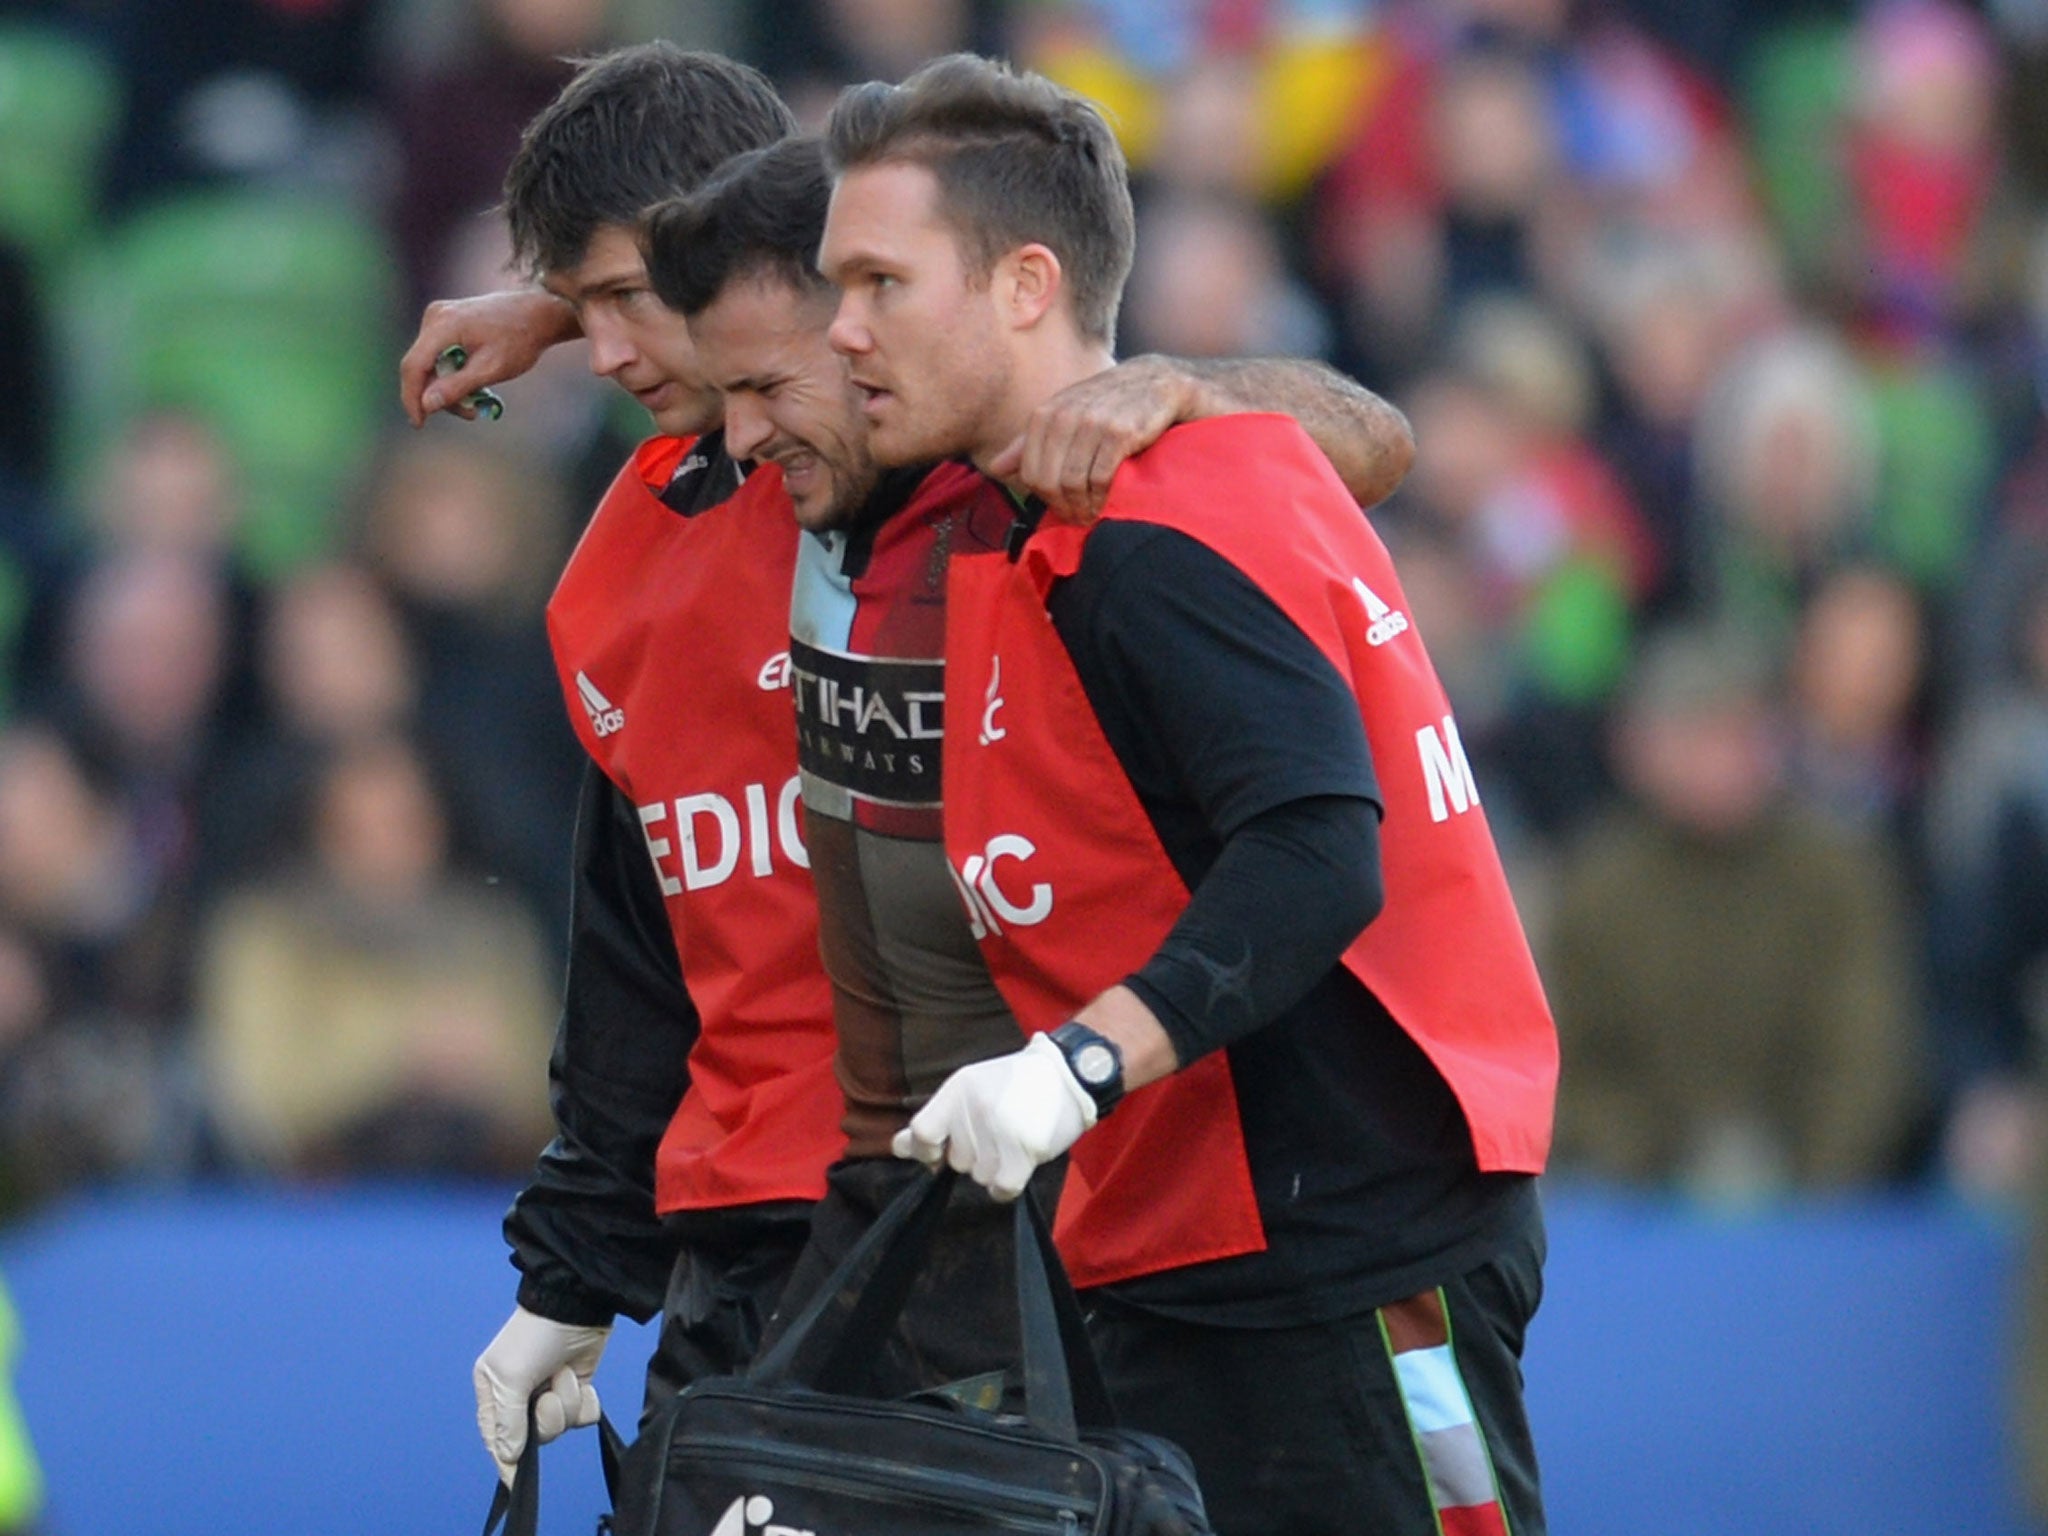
(1096, 1061)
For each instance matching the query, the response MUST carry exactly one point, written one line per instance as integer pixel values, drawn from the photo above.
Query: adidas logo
(1384, 623)
(749, 1515)
(605, 717)
(689, 466)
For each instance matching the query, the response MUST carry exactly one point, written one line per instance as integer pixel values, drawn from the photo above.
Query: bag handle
(1063, 1385)
(831, 1342)
(828, 1344)
(519, 1505)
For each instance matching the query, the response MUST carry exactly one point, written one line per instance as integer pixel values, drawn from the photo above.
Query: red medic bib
(671, 636)
(1070, 891)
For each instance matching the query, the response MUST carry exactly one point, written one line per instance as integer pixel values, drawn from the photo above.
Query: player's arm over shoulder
(1365, 438)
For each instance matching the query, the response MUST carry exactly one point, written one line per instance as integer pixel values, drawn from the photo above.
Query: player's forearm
(542, 317)
(1366, 439)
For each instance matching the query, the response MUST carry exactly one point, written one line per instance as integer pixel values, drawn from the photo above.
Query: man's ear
(1028, 284)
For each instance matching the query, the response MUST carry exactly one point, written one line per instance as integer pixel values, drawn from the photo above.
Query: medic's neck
(1042, 372)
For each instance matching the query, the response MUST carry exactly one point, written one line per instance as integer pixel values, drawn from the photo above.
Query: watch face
(1094, 1064)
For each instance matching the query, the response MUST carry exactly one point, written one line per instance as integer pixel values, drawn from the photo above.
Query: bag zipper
(837, 1472)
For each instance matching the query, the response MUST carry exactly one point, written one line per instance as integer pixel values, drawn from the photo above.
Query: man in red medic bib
(691, 1077)
(913, 995)
(1216, 838)
(694, 1123)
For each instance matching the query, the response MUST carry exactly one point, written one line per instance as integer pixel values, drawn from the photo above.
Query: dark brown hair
(635, 127)
(761, 215)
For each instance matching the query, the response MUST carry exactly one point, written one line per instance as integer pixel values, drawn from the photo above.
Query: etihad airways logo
(753, 1514)
(605, 716)
(870, 725)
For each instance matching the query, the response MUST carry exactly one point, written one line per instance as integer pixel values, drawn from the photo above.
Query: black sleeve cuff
(565, 1303)
(1175, 1018)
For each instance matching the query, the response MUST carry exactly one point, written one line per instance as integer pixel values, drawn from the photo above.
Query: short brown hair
(635, 127)
(1018, 160)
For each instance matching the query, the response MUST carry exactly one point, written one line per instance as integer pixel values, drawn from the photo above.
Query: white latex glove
(530, 1353)
(997, 1120)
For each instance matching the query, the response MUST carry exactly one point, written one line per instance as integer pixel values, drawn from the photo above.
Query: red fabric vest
(1069, 889)
(671, 635)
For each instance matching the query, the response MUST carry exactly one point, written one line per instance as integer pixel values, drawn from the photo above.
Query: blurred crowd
(1722, 326)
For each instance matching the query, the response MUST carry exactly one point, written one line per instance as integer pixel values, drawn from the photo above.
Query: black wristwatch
(1095, 1061)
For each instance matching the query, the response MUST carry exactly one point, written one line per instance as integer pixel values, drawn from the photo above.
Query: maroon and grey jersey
(912, 998)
